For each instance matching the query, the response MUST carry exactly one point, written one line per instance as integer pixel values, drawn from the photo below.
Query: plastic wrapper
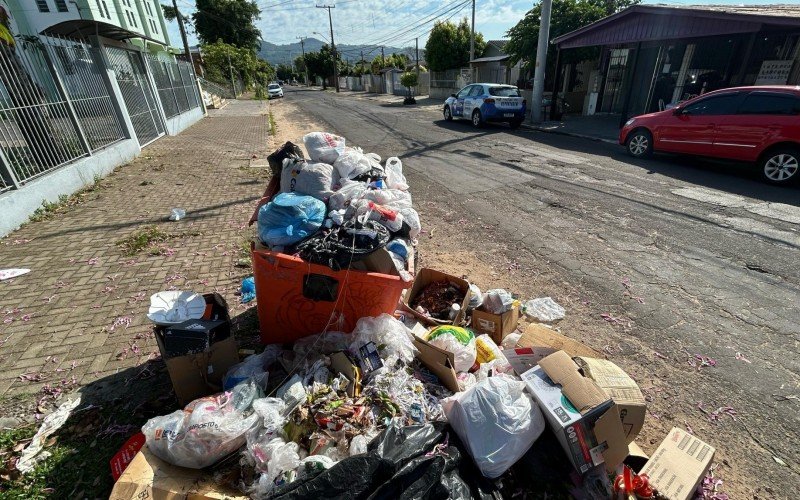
(392, 198)
(475, 296)
(272, 412)
(310, 179)
(411, 220)
(497, 421)
(204, 432)
(289, 218)
(313, 465)
(497, 301)
(394, 174)
(510, 340)
(323, 146)
(352, 162)
(389, 334)
(388, 217)
(253, 365)
(421, 462)
(544, 309)
(358, 445)
(459, 341)
(281, 460)
(487, 351)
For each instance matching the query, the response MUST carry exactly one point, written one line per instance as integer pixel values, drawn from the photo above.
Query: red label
(120, 461)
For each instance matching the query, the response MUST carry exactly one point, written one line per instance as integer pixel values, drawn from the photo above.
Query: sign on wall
(774, 72)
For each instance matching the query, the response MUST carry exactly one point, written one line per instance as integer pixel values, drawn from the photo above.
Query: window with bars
(148, 9)
(133, 19)
(105, 7)
(42, 4)
(61, 6)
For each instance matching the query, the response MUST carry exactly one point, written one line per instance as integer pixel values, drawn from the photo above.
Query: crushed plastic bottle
(177, 214)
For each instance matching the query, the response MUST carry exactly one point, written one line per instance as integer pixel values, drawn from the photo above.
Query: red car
(760, 125)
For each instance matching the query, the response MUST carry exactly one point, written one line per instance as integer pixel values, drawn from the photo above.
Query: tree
(170, 12)
(244, 62)
(448, 45)
(320, 64)
(232, 21)
(566, 16)
(409, 80)
(285, 72)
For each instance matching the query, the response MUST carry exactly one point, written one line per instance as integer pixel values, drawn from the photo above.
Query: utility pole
(416, 55)
(303, 48)
(183, 30)
(333, 45)
(541, 63)
(362, 62)
(472, 44)
(383, 59)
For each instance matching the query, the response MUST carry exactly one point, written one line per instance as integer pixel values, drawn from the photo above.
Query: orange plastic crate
(296, 298)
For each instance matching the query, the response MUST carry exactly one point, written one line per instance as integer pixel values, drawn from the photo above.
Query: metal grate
(137, 94)
(80, 68)
(38, 133)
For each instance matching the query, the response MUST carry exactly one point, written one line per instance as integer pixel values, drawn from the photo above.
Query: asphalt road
(691, 256)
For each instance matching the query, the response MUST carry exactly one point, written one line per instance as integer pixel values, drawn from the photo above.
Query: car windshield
(505, 91)
(274, 86)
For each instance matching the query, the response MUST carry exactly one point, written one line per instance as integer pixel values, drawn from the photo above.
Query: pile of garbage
(338, 206)
(441, 396)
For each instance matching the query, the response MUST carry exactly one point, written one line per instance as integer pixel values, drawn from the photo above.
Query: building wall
(144, 17)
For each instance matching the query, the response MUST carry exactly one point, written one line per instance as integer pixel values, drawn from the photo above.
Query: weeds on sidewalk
(49, 209)
(141, 239)
(273, 127)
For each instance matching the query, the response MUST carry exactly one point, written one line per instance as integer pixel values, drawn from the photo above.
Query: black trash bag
(339, 247)
(419, 461)
(288, 150)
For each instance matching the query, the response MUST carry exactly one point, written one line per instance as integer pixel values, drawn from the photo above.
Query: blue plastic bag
(289, 218)
(248, 289)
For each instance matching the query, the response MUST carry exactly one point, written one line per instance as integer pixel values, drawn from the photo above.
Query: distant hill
(284, 54)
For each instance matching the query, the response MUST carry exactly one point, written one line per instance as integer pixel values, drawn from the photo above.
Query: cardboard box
(424, 278)
(679, 465)
(194, 335)
(537, 335)
(523, 359)
(622, 389)
(200, 374)
(148, 476)
(440, 362)
(584, 418)
(496, 326)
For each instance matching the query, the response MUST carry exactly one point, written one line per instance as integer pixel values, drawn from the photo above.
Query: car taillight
(489, 100)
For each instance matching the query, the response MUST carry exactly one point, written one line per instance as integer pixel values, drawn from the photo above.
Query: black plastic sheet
(419, 461)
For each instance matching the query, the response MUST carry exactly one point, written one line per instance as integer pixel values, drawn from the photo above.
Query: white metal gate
(138, 94)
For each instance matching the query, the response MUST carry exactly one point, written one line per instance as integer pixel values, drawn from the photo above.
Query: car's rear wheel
(477, 119)
(781, 166)
(448, 115)
(640, 143)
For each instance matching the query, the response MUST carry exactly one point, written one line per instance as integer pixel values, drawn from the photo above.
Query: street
(684, 271)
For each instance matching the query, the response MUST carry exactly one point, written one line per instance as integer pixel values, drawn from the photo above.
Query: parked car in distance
(760, 125)
(486, 102)
(274, 90)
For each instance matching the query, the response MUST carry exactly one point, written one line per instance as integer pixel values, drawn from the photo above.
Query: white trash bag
(310, 179)
(351, 163)
(497, 421)
(544, 309)
(394, 174)
(201, 434)
(323, 146)
(344, 196)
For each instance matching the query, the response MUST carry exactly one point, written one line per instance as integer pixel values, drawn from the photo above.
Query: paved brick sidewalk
(81, 311)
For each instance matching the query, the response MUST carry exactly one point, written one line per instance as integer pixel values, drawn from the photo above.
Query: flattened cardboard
(148, 476)
(424, 278)
(496, 326)
(537, 335)
(379, 261)
(341, 363)
(583, 417)
(440, 362)
(622, 389)
(679, 464)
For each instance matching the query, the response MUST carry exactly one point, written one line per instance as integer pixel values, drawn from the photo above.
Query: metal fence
(54, 107)
(220, 90)
(176, 86)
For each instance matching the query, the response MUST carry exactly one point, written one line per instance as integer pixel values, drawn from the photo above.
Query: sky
(391, 22)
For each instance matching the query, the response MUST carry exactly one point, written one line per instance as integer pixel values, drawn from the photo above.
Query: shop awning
(643, 23)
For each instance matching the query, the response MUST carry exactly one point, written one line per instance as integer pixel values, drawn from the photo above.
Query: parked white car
(274, 90)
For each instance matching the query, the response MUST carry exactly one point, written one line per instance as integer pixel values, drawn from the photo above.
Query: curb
(569, 134)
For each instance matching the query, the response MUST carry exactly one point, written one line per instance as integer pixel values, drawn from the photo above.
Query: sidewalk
(604, 128)
(79, 315)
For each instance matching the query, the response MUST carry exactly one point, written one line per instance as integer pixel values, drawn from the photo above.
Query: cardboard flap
(537, 335)
(608, 430)
(341, 363)
(620, 386)
(440, 362)
(583, 393)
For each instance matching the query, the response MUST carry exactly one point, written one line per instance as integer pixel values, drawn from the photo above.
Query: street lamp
(320, 34)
